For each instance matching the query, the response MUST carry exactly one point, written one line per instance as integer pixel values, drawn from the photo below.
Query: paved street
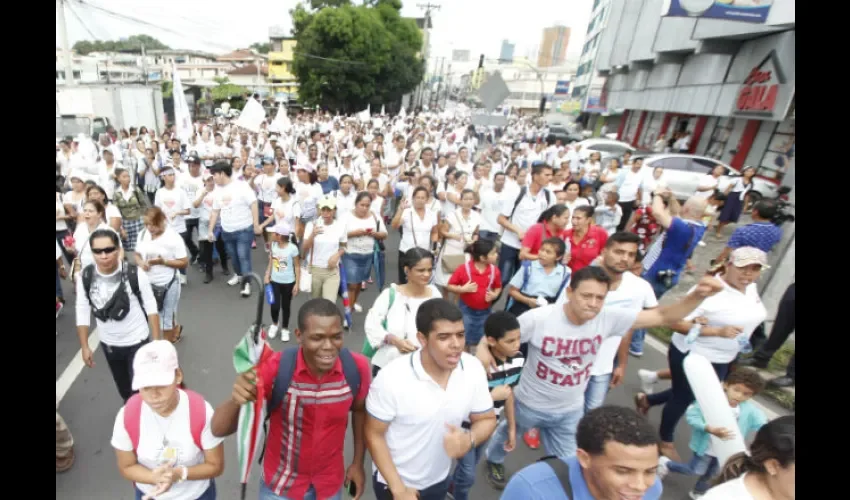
(215, 317)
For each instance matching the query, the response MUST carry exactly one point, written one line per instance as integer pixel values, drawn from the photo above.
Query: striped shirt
(506, 373)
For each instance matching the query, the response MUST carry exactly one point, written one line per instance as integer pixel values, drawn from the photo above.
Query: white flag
(182, 115)
(366, 114)
(402, 114)
(383, 110)
(252, 116)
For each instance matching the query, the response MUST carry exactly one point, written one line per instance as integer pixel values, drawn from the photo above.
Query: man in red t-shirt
(303, 457)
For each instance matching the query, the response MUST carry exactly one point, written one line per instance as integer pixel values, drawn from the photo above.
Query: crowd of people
(526, 279)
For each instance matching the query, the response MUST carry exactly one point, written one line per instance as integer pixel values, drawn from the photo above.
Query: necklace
(170, 420)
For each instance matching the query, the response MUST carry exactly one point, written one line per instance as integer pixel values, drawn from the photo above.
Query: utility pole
(63, 39)
(448, 86)
(426, 45)
(144, 66)
(435, 99)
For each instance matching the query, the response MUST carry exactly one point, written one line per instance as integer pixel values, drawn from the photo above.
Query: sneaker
(235, 280)
(246, 290)
(701, 243)
(648, 379)
(59, 307)
(694, 495)
(357, 308)
(183, 279)
(663, 470)
(636, 354)
(254, 245)
(273, 331)
(532, 439)
(496, 475)
(284, 335)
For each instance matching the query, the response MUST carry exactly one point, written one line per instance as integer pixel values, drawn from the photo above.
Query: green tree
(351, 56)
(262, 48)
(132, 44)
(227, 90)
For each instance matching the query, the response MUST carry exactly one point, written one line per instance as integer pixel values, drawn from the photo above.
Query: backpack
(491, 268)
(129, 272)
(522, 192)
(562, 471)
(368, 350)
(197, 417)
(286, 370)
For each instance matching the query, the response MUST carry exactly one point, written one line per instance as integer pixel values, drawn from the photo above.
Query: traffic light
(481, 61)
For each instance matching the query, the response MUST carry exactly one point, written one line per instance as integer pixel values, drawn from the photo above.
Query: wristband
(185, 473)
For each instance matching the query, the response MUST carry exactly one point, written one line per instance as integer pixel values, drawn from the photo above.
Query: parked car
(608, 148)
(562, 133)
(682, 173)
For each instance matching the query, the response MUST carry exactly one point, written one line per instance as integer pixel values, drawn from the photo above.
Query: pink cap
(154, 365)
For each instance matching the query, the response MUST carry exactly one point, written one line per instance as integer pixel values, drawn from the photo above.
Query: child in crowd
(740, 387)
(478, 283)
(283, 273)
(589, 193)
(502, 336)
(561, 197)
(608, 216)
(539, 282)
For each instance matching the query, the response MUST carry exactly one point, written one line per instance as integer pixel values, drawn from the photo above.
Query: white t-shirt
(491, 205)
(325, 244)
(345, 203)
(169, 245)
(266, 187)
(308, 196)
(527, 212)
(634, 293)
(466, 226)
(730, 490)
(287, 211)
(561, 355)
(729, 307)
(193, 187)
(234, 200)
(172, 201)
(362, 244)
(418, 409)
(707, 181)
(153, 430)
(421, 227)
(628, 190)
(61, 225)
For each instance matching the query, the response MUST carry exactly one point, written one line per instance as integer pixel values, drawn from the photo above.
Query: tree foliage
(133, 45)
(351, 56)
(262, 48)
(227, 90)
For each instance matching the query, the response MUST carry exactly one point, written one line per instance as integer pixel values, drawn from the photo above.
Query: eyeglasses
(106, 250)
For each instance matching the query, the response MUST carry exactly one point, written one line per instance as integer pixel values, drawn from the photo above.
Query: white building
(589, 85)
(528, 83)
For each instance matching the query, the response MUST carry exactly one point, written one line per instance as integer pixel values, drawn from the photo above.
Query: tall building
(553, 48)
(281, 77)
(588, 85)
(506, 55)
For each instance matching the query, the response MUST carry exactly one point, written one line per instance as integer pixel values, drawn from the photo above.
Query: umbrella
(379, 262)
(251, 350)
(343, 292)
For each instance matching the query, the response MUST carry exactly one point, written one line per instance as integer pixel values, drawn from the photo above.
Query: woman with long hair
(94, 218)
(365, 229)
(552, 223)
(131, 203)
(308, 192)
(768, 472)
(585, 240)
(458, 230)
(418, 225)
(112, 214)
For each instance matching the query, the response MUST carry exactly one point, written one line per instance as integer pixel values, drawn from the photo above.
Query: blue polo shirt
(762, 235)
(539, 482)
(673, 248)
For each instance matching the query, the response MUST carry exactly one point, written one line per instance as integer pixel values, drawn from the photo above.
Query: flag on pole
(251, 431)
(182, 115)
(252, 116)
(366, 114)
(383, 110)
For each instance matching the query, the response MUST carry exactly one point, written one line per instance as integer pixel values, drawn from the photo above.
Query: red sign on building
(759, 92)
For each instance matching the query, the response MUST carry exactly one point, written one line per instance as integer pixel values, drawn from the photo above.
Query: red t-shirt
(582, 253)
(536, 234)
(305, 443)
(646, 227)
(476, 300)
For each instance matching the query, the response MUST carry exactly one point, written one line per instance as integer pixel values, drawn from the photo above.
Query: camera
(666, 277)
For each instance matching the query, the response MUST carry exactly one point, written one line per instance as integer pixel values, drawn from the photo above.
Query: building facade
(589, 85)
(281, 77)
(506, 54)
(553, 47)
(528, 84)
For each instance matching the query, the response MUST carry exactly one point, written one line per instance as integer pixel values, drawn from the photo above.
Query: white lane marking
(660, 346)
(75, 367)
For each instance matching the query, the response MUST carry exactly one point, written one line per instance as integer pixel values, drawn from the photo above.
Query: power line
(83, 24)
(330, 59)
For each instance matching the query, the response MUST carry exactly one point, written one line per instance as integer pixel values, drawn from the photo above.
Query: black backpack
(562, 471)
(130, 272)
(523, 190)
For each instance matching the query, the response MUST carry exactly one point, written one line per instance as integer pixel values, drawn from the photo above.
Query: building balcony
(280, 57)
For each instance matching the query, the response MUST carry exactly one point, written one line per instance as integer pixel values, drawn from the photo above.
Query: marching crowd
(527, 276)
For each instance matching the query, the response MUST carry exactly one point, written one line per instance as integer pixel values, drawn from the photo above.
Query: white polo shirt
(418, 409)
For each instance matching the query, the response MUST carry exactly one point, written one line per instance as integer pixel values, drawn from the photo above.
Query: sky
(219, 26)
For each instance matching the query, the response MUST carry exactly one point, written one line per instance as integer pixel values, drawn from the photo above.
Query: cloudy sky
(218, 26)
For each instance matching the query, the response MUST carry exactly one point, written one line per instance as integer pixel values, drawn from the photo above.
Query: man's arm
(149, 305)
(358, 430)
(375, 433)
(660, 212)
(676, 312)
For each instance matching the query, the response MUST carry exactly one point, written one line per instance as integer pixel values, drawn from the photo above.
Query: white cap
(154, 365)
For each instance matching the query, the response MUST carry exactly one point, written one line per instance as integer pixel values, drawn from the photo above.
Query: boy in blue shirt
(501, 331)
(740, 386)
(617, 457)
(539, 282)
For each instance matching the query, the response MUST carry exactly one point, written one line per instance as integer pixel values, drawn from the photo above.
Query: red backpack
(197, 417)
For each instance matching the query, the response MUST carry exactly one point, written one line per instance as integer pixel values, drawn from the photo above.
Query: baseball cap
(302, 166)
(268, 160)
(327, 202)
(747, 256)
(154, 365)
(193, 158)
(282, 228)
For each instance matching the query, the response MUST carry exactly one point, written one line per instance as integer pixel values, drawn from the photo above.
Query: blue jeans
(210, 494)
(473, 323)
(704, 466)
(58, 283)
(238, 247)
(508, 262)
(464, 475)
(657, 286)
(488, 235)
(636, 346)
(597, 389)
(168, 314)
(267, 494)
(557, 431)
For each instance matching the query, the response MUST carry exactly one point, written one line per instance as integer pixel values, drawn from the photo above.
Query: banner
(252, 116)
(182, 115)
(562, 87)
(750, 11)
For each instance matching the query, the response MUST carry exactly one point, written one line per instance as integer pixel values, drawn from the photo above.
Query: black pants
(783, 326)
(120, 361)
(282, 302)
(402, 278)
(434, 492)
(191, 228)
(628, 207)
(207, 254)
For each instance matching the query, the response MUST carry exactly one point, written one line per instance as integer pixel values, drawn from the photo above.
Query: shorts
(358, 267)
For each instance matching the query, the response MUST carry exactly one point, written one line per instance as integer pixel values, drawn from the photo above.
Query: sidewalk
(701, 258)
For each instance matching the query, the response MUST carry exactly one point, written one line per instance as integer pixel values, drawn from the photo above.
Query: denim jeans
(434, 492)
(267, 494)
(508, 263)
(168, 314)
(597, 389)
(58, 284)
(557, 431)
(488, 235)
(636, 346)
(209, 494)
(238, 247)
(704, 466)
(658, 287)
(464, 475)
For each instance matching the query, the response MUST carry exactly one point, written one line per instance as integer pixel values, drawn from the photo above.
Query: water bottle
(744, 344)
(269, 294)
(693, 333)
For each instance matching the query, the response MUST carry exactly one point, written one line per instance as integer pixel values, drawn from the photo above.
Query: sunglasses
(106, 250)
